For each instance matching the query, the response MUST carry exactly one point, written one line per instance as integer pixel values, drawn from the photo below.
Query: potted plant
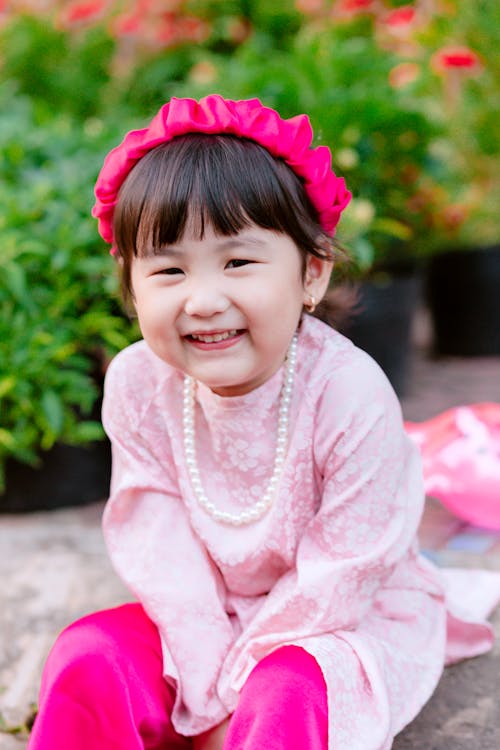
(74, 76)
(463, 279)
(59, 317)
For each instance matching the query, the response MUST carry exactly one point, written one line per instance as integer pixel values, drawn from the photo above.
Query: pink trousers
(103, 689)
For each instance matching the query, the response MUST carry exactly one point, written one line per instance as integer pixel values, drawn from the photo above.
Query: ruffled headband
(289, 140)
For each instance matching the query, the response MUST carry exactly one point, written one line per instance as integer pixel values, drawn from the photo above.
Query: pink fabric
(283, 704)
(103, 689)
(333, 567)
(288, 139)
(461, 460)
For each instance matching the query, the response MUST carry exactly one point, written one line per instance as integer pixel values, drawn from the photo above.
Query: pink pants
(103, 689)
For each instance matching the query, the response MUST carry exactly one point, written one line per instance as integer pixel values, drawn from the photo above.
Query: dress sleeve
(371, 502)
(158, 556)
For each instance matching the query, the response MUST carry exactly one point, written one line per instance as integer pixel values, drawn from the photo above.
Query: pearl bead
(262, 506)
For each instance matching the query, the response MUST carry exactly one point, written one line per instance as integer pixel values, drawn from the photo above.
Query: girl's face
(224, 309)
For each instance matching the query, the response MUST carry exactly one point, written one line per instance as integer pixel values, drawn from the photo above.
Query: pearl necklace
(260, 508)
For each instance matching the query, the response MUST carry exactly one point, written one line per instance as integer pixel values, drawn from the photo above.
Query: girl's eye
(238, 262)
(170, 271)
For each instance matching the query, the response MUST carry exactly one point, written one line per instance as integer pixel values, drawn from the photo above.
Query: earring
(311, 306)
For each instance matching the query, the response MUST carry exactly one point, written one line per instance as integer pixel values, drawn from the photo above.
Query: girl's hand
(213, 739)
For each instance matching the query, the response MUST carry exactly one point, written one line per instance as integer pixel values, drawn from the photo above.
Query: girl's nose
(205, 299)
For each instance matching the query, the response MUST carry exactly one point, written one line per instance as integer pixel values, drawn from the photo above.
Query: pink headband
(287, 139)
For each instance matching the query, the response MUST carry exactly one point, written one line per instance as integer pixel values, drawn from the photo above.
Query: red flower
(449, 58)
(165, 32)
(128, 24)
(82, 12)
(354, 7)
(400, 18)
(192, 29)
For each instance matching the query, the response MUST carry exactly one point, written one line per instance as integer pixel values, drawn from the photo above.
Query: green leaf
(7, 440)
(15, 278)
(88, 432)
(53, 411)
(6, 385)
(392, 227)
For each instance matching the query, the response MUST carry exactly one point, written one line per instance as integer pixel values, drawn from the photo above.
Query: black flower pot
(463, 293)
(380, 322)
(68, 475)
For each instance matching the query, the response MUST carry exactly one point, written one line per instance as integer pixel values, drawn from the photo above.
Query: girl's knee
(282, 705)
(103, 685)
(91, 650)
(286, 676)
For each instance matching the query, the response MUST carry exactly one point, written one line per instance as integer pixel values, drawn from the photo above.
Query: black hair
(222, 181)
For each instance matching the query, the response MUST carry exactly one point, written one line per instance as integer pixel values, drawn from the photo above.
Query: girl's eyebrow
(238, 241)
(226, 244)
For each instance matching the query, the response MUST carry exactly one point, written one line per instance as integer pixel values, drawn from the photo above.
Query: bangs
(221, 181)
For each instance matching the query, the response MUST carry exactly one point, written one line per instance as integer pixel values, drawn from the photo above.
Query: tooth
(210, 339)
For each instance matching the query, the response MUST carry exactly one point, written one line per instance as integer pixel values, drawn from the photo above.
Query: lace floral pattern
(332, 567)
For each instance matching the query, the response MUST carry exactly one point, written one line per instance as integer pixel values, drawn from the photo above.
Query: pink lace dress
(333, 567)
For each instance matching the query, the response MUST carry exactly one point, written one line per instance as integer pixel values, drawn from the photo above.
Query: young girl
(265, 498)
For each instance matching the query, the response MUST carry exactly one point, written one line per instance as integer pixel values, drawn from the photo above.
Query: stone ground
(53, 569)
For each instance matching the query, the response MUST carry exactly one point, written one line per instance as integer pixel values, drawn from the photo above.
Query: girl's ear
(316, 279)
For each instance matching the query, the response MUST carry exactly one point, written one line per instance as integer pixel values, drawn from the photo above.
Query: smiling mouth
(211, 338)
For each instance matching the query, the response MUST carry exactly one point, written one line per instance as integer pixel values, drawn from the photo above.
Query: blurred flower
(454, 65)
(396, 30)
(347, 158)
(238, 30)
(404, 74)
(192, 29)
(203, 72)
(362, 211)
(82, 12)
(351, 134)
(4, 11)
(351, 8)
(164, 32)
(128, 24)
(400, 20)
(456, 58)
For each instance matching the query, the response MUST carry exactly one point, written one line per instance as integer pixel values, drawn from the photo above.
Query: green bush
(59, 315)
(59, 71)
(422, 173)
